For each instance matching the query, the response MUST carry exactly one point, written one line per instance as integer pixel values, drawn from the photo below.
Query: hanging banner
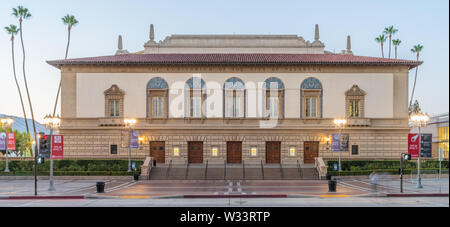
(57, 147)
(335, 142)
(413, 145)
(2, 141)
(134, 140)
(11, 141)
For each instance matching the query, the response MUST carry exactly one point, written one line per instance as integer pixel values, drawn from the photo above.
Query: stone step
(272, 174)
(196, 173)
(215, 173)
(291, 174)
(158, 173)
(178, 173)
(309, 174)
(234, 174)
(253, 174)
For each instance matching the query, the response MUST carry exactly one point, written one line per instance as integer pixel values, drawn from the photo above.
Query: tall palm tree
(23, 14)
(396, 43)
(390, 31)
(12, 30)
(416, 49)
(381, 39)
(70, 21)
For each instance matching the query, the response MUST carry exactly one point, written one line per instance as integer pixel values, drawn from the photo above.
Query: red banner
(11, 141)
(413, 145)
(57, 147)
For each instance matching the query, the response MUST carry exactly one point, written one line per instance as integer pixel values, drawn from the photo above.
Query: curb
(233, 196)
(419, 195)
(42, 197)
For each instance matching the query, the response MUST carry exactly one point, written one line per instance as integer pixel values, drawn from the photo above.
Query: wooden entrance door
(273, 152)
(195, 152)
(311, 151)
(158, 151)
(234, 152)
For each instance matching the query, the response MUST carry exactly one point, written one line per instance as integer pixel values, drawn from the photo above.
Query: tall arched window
(273, 93)
(157, 98)
(234, 98)
(195, 98)
(311, 98)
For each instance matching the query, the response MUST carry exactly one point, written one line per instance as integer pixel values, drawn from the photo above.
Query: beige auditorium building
(233, 99)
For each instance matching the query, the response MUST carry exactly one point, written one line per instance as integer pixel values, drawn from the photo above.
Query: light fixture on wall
(292, 151)
(176, 151)
(253, 151)
(215, 151)
(328, 139)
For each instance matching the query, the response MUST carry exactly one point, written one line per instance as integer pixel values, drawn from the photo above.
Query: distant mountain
(19, 125)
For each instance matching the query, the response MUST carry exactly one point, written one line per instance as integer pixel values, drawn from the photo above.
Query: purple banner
(2, 141)
(336, 142)
(134, 139)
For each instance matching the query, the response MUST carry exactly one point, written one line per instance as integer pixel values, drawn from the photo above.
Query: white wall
(379, 88)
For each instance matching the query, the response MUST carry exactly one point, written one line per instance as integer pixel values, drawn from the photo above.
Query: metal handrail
(187, 171)
(300, 172)
(168, 170)
(282, 172)
(243, 169)
(262, 169)
(225, 169)
(206, 170)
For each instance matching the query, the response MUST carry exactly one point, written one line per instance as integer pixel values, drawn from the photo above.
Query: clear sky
(101, 21)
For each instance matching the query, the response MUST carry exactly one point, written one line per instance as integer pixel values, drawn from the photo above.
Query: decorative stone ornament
(120, 49)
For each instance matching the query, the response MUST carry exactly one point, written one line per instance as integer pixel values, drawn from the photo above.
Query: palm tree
(390, 31)
(23, 13)
(12, 30)
(396, 43)
(70, 21)
(416, 49)
(381, 39)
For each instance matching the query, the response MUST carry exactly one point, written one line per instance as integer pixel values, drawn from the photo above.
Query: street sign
(11, 141)
(426, 140)
(335, 166)
(413, 145)
(57, 147)
(441, 154)
(2, 141)
(134, 142)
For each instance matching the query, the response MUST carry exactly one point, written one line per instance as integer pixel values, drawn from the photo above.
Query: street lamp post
(340, 123)
(51, 123)
(419, 120)
(129, 123)
(7, 122)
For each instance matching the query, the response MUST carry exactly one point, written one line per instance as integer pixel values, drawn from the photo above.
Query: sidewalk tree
(22, 14)
(13, 30)
(416, 49)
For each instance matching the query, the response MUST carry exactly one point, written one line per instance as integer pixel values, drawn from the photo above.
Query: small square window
(113, 148)
(355, 149)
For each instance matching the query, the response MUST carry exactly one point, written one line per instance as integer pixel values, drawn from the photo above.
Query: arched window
(234, 98)
(311, 98)
(195, 98)
(273, 91)
(157, 98)
(354, 102)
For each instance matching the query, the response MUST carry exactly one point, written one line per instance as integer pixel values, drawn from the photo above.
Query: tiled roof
(233, 59)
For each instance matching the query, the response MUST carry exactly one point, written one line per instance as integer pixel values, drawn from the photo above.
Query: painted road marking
(136, 197)
(334, 196)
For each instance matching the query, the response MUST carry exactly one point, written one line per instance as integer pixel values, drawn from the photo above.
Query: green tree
(396, 43)
(415, 108)
(416, 49)
(23, 143)
(390, 31)
(381, 39)
(12, 30)
(70, 21)
(22, 14)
